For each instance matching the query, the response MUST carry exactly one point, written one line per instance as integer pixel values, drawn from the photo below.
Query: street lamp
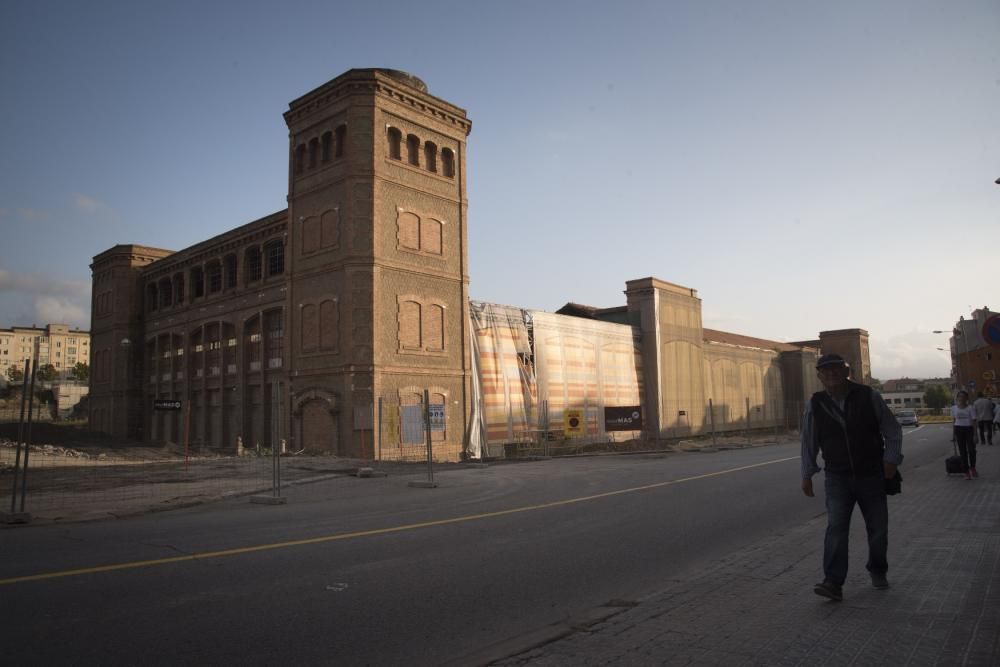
(956, 359)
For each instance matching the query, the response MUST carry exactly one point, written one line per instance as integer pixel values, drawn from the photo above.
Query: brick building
(280, 329)
(324, 325)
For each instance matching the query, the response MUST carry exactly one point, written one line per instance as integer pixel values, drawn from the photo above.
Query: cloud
(50, 309)
(912, 354)
(86, 203)
(33, 214)
(53, 299)
(93, 207)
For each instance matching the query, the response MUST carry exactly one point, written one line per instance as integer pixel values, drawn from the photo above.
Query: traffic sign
(991, 330)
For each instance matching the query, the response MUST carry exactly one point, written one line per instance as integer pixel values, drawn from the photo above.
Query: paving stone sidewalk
(756, 606)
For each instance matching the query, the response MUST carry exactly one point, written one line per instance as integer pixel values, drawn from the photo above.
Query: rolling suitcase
(953, 465)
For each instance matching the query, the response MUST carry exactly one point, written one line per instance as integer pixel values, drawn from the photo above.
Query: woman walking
(964, 417)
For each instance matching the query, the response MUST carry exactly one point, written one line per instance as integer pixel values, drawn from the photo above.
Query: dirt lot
(77, 476)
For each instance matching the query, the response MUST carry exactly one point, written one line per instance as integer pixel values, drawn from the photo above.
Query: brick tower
(377, 260)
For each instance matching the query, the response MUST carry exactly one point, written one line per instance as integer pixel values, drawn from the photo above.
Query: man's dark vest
(853, 445)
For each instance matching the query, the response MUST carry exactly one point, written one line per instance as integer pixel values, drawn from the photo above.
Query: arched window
(152, 301)
(430, 236)
(274, 331)
(439, 425)
(230, 270)
(179, 288)
(448, 162)
(213, 273)
(395, 143)
(409, 231)
(430, 156)
(413, 150)
(409, 325)
(300, 158)
(310, 328)
(433, 328)
(166, 293)
(330, 228)
(275, 252)
(197, 357)
(313, 152)
(252, 265)
(197, 282)
(327, 146)
(341, 139)
(253, 343)
(310, 235)
(329, 324)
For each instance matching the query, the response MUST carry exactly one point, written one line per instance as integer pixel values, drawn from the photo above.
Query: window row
(421, 326)
(216, 275)
(213, 350)
(320, 150)
(415, 150)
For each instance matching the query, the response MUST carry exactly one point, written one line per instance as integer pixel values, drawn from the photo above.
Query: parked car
(907, 418)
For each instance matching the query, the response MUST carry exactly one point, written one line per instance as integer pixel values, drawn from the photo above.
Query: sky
(805, 165)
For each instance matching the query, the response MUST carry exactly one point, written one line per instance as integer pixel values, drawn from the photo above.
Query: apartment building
(55, 344)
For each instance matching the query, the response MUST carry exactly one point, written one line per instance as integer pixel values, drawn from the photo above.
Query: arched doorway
(319, 428)
(315, 414)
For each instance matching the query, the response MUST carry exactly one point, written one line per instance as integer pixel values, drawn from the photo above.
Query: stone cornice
(218, 247)
(373, 82)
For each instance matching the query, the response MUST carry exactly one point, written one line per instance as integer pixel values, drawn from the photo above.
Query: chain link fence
(684, 426)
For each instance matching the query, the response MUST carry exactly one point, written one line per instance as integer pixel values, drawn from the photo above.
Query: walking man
(983, 408)
(862, 444)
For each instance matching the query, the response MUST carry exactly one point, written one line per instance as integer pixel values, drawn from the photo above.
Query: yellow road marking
(368, 533)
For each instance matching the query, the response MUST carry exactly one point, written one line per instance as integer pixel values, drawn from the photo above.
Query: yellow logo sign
(573, 422)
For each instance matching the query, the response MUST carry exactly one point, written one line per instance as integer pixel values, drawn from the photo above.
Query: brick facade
(290, 327)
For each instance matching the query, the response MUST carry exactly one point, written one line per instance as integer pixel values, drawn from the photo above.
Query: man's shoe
(879, 581)
(828, 589)
(968, 475)
(974, 473)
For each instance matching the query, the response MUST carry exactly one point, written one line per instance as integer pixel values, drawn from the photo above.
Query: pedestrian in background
(862, 444)
(964, 417)
(984, 418)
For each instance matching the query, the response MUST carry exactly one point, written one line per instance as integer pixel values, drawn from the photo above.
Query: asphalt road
(371, 571)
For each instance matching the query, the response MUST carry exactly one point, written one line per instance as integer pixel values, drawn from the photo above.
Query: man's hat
(830, 360)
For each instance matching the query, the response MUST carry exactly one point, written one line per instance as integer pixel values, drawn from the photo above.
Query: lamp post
(956, 358)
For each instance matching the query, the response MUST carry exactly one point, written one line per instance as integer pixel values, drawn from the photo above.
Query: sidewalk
(756, 607)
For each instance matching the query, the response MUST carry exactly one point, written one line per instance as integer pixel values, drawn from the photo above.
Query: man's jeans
(985, 432)
(842, 492)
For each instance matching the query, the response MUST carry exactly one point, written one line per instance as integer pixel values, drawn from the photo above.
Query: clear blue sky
(804, 165)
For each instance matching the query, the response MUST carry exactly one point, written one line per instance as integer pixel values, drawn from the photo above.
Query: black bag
(894, 485)
(953, 465)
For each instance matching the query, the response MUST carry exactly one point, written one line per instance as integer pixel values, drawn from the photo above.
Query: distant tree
(876, 384)
(81, 371)
(15, 375)
(46, 373)
(936, 397)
